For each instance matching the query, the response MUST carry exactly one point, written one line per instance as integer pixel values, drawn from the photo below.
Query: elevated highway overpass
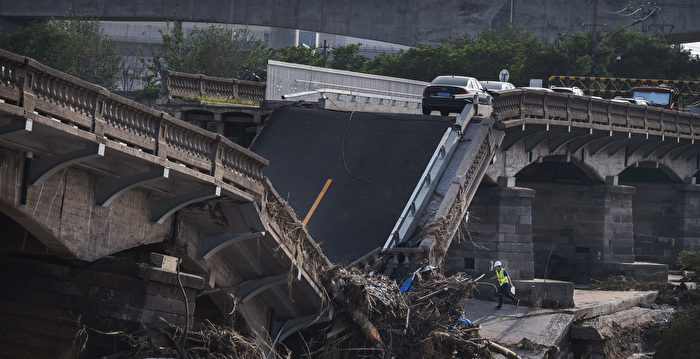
(401, 22)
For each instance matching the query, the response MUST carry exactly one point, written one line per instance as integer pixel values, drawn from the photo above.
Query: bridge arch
(649, 172)
(559, 168)
(23, 233)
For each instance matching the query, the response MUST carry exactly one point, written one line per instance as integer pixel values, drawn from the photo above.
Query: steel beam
(163, 208)
(208, 246)
(107, 191)
(42, 168)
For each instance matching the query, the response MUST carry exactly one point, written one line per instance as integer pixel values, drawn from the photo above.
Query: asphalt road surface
(373, 160)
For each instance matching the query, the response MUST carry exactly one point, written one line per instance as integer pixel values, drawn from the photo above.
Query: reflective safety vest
(502, 279)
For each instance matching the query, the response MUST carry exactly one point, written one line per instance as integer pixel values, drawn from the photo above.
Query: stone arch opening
(199, 118)
(569, 234)
(18, 239)
(240, 127)
(648, 172)
(23, 234)
(559, 169)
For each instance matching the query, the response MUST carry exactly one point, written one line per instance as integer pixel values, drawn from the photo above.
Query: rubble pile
(374, 319)
(171, 341)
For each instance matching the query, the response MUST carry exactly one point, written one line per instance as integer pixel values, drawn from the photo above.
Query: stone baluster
(98, 122)
(26, 84)
(216, 152)
(161, 145)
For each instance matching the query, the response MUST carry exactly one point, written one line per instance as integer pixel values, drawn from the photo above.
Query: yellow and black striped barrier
(622, 85)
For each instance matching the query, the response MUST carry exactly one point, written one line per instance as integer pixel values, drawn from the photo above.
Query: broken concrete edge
(641, 271)
(537, 293)
(613, 306)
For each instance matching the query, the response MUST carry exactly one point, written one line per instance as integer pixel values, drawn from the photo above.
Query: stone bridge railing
(585, 111)
(192, 86)
(37, 88)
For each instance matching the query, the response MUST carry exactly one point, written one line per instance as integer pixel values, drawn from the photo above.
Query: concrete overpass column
(280, 37)
(500, 226)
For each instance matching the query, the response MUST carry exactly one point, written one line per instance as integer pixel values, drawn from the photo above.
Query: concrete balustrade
(192, 86)
(94, 110)
(533, 107)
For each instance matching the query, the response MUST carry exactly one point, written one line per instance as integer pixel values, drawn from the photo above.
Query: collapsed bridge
(92, 183)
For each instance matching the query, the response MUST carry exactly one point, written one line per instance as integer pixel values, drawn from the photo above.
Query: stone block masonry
(576, 227)
(666, 221)
(45, 304)
(500, 227)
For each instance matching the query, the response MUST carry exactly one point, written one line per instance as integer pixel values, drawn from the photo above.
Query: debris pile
(171, 341)
(374, 319)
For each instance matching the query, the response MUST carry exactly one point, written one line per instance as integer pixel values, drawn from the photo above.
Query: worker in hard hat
(504, 284)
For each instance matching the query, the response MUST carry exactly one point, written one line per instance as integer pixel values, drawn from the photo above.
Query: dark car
(450, 93)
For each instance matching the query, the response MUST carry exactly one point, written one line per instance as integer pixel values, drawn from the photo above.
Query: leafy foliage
(681, 338)
(212, 50)
(621, 282)
(640, 55)
(691, 261)
(300, 55)
(75, 45)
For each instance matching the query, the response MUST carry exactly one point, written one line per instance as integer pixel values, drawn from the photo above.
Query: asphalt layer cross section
(375, 161)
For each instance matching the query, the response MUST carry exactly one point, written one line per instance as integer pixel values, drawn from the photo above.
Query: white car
(536, 88)
(495, 86)
(571, 90)
(634, 100)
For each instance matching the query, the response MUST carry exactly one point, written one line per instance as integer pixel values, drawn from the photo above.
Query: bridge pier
(666, 221)
(577, 227)
(500, 225)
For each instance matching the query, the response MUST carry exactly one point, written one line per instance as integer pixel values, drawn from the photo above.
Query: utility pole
(325, 52)
(594, 37)
(511, 13)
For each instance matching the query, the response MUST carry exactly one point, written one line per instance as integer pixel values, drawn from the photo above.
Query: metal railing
(621, 85)
(39, 89)
(588, 112)
(429, 179)
(193, 86)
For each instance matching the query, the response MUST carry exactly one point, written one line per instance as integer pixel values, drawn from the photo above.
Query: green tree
(680, 338)
(76, 45)
(348, 58)
(300, 55)
(212, 50)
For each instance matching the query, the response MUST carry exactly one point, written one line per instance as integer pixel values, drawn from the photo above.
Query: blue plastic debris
(468, 323)
(408, 283)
